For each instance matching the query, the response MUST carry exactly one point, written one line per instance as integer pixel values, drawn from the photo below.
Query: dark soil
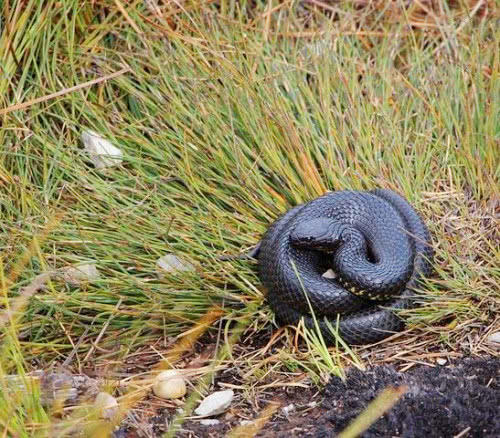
(440, 402)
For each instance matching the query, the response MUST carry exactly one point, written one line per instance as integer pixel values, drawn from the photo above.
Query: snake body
(374, 241)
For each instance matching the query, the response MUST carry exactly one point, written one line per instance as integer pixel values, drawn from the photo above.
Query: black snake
(375, 242)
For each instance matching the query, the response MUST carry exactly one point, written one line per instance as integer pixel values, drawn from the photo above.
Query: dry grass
(228, 113)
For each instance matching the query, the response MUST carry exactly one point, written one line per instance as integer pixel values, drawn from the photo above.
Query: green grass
(225, 122)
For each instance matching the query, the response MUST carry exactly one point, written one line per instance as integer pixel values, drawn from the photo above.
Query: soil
(461, 399)
(440, 402)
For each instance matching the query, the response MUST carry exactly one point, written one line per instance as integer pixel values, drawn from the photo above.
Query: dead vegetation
(229, 112)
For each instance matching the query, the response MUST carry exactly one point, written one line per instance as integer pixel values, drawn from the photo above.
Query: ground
(457, 399)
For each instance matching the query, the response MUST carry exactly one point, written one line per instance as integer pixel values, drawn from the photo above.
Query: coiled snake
(374, 241)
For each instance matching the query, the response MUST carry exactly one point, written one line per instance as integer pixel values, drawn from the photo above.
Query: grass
(228, 113)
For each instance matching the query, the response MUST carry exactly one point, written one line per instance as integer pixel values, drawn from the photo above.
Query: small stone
(441, 361)
(329, 274)
(209, 422)
(287, 409)
(215, 403)
(56, 387)
(101, 152)
(76, 275)
(171, 263)
(246, 422)
(494, 340)
(106, 405)
(169, 384)
(317, 48)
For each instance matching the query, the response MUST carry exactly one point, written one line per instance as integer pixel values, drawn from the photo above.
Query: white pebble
(329, 274)
(494, 340)
(441, 361)
(209, 422)
(287, 409)
(172, 263)
(76, 275)
(106, 405)
(169, 384)
(215, 403)
(101, 152)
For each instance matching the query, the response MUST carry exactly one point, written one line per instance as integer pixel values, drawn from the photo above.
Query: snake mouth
(319, 243)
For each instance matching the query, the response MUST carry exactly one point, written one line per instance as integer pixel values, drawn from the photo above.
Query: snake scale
(374, 241)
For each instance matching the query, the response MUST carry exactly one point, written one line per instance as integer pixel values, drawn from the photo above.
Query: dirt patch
(460, 399)
(298, 408)
(440, 402)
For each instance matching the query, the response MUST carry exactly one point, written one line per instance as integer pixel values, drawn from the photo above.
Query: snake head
(322, 234)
